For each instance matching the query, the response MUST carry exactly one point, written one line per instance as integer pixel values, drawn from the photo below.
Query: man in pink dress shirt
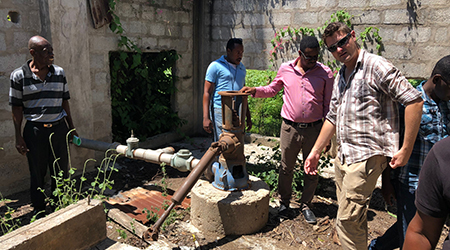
(307, 92)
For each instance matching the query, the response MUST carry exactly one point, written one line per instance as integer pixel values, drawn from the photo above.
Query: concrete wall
(415, 33)
(84, 54)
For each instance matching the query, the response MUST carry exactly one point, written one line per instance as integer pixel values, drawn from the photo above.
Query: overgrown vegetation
(141, 89)
(142, 85)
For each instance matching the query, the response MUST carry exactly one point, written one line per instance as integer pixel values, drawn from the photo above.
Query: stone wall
(415, 32)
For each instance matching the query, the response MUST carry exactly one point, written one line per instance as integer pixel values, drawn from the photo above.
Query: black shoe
(285, 212)
(309, 216)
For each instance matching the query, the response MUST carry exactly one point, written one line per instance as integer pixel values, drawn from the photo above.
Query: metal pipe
(182, 161)
(226, 143)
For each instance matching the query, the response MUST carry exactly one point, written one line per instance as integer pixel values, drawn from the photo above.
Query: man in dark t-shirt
(432, 200)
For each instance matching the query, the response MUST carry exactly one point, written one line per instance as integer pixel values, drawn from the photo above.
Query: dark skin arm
(207, 95)
(69, 120)
(17, 115)
(423, 232)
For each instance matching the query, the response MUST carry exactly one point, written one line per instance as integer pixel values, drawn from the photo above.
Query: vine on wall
(142, 85)
(287, 39)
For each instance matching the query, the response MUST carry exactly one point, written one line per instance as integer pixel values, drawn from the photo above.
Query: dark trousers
(40, 157)
(292, 140)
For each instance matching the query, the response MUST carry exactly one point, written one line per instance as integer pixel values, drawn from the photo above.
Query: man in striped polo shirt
(39, 92)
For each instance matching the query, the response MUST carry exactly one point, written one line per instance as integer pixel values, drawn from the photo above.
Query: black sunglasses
(309, 58)
(340, 43)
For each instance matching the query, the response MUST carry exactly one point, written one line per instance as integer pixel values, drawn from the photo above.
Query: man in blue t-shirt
(224, 74)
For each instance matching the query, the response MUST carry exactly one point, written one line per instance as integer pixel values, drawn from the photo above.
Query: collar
(294, 64)
(224, 61)
(358, 64)
(27, 70)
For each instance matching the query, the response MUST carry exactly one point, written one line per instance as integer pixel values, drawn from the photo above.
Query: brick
(103, 43)
(414, 70)
(254, 20)
(407, 35)
(253, 47)
(231, 20)
(241, 6)
(126, 10)
(351, 4)
(31, 20)
(294, 5)
(372, 17)
(221, 34)
(398, 16)
(187, 31)
(149, 43)
(21, 39)
(134, 27)
(283, 19)
(245, 34)
(322, 3)
(437, 16)
(101, 79)
(149, 13)
(182, 17)
(97, 61)
(264, 34)
(441, 35)
(397, 52)
(156, 29)
(384, 3)
(305, 18)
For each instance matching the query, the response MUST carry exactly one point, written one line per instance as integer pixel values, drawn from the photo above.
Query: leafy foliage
(267, 168)
(265, 111)
(287, 39)
(141, 89)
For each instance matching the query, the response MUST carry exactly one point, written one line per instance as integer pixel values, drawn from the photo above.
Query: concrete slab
(78, 226)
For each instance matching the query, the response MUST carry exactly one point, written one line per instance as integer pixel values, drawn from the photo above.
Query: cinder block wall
(84, 54)
(415, 33)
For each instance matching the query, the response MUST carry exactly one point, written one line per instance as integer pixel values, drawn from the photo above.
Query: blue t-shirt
(225, 78)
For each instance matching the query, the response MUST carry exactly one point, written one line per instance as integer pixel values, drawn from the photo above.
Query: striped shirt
(41, 100)
(434, 127)
(365, 110)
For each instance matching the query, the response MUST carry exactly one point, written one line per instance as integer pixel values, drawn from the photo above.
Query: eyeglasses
(309, 58)
(339, 44)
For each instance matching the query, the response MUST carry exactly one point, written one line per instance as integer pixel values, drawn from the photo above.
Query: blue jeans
(216, 118)
(395, 235)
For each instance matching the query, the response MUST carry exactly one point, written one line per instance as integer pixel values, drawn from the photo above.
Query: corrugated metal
(133, 202)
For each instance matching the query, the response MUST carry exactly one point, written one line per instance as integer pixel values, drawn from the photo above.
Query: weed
(7, 222)
(267, 168)
(122, 233)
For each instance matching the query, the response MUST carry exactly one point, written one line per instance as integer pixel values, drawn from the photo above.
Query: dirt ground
(279, 233)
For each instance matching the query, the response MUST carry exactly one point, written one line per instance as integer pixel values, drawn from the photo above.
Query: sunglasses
(340, 43)
(309, 58)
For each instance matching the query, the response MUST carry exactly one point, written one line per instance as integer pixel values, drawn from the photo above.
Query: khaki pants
(292, 140)
(354, 187)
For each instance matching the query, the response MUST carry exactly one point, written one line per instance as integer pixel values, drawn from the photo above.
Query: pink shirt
(306, 96)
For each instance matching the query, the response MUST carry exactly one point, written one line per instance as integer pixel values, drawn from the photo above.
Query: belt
(47, 124)
(302, 125)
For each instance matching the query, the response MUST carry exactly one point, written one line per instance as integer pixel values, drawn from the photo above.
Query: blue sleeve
(211, 73)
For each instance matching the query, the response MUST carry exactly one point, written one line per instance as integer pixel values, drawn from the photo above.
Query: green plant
(265, 111)
(122, 233)
(68, 191)
(164, 183)
(267, 168)
(141, 89)
(415, 82)
(288, 38)
(7, 222)
(152, 217)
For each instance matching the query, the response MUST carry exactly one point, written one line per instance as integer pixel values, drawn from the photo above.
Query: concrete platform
(230, 213)
(78, 226)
